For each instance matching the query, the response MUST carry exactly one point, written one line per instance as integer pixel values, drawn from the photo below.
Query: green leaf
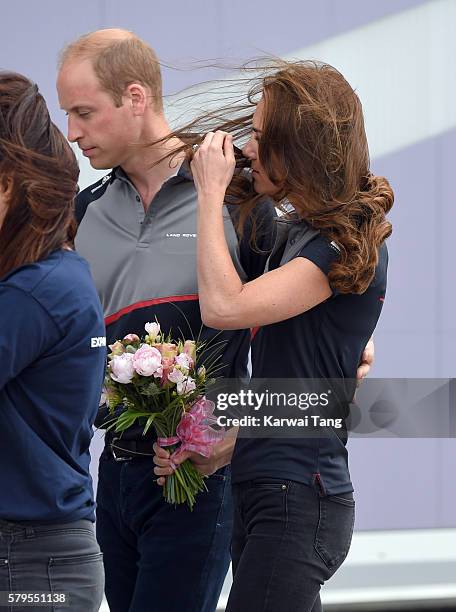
(126, 420)
(149, 422)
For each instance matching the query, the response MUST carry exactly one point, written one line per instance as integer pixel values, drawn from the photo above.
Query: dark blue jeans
(287, 541)
(52, 559)
(158, 557)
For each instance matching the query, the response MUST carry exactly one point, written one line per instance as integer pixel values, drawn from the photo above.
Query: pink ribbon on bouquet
(194, 431)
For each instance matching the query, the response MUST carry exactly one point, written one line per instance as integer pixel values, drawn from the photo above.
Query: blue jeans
(52, 559)
(158, 557)
(287, 541)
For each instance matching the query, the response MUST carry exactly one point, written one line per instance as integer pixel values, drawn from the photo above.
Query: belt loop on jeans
(318, 484)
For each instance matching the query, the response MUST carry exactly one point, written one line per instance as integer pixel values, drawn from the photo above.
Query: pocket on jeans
(76, 559)
(269, 484)
(79, 531)
(81, 577)
(4, 574)
(335, 529)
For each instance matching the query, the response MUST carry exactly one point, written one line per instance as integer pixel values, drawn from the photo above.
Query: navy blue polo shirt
(326, 342)
(52, 359)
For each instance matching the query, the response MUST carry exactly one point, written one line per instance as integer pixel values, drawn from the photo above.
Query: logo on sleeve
(335, 247)
(98, 342)
(180, 235)
(103, 181)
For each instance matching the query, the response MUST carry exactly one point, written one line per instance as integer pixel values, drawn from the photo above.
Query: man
(138, 232)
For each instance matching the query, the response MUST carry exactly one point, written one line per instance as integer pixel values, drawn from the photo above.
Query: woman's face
(261, 182)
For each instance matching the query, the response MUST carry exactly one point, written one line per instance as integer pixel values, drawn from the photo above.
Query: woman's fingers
(217, 140)
(213, 164)
(214, 141)
(228, 148)
(183, 456)
(363, 371)
(207, 141)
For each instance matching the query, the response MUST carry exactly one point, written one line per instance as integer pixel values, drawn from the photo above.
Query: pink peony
(122, 369)
(147, 360)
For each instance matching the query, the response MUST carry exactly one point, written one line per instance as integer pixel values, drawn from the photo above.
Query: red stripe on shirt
(253, 332)
(161, 300)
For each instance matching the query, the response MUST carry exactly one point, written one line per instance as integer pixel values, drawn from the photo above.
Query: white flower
(184, 361)
(176, 376)
(122, 369)
(186, 386)
(153, 329)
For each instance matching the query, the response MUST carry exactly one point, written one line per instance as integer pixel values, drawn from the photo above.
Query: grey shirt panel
(136, 255)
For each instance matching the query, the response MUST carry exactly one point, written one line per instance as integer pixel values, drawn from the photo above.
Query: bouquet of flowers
(156, 382)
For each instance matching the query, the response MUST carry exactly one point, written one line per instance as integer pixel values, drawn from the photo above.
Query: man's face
(102, 131)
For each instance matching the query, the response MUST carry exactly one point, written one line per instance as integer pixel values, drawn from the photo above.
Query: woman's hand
(367, 361)
(213, 165)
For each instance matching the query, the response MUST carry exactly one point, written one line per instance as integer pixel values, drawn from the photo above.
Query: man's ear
(137, 96)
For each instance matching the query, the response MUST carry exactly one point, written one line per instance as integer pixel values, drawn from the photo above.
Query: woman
(52, 359)
(316, 305)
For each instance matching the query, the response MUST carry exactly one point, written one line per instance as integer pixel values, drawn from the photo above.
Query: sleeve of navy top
(26, 333)
(321, 252)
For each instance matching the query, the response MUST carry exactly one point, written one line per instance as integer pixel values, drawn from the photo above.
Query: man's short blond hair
(119, 58)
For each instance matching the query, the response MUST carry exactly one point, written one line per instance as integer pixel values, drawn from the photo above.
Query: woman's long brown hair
(38, 163)
(314, 148)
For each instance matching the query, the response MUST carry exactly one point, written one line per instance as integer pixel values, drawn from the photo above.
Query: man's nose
(74, 131)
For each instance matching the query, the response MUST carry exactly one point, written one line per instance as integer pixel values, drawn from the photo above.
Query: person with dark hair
(316, 306)
(52, 360)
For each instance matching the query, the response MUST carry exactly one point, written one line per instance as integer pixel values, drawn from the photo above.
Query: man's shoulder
(90, 194)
